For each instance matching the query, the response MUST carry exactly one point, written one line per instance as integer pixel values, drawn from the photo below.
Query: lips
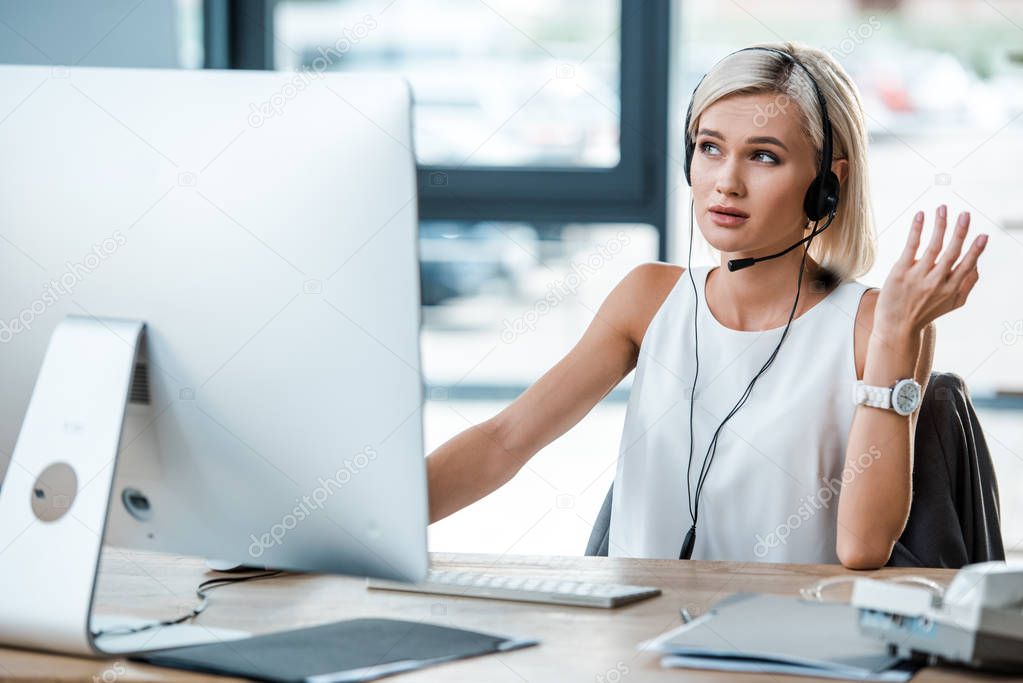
(727, 217)
(728, 211)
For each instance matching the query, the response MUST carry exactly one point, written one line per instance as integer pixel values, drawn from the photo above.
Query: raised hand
(919, 290)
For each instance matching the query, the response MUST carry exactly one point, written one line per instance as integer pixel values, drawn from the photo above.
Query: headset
(821, 200)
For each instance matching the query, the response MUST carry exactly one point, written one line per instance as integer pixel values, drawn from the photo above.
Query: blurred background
(548, 139)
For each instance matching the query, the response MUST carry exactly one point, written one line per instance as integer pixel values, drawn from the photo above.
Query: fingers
(913, 241)
(968, 264)
(937, 237)
(955, 246)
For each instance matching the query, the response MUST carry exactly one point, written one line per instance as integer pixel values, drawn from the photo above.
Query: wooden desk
(577, 643)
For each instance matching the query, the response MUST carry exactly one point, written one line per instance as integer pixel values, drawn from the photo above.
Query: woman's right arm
(482, 458)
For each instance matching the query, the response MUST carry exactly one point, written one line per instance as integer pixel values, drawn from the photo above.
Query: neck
(761, 295)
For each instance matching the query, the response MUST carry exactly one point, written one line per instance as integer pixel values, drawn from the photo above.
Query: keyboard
(548, 590)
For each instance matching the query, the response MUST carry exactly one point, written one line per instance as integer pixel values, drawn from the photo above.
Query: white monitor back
(263, 225)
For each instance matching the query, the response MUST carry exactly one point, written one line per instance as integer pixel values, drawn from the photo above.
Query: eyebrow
(761, 140)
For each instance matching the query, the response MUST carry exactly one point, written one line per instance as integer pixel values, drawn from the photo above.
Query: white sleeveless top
(771, 494)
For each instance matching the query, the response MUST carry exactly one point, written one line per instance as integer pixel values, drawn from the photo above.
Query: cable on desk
(814, 592)
(202, 591)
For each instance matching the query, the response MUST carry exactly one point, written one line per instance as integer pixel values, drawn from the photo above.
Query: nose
(728, 181)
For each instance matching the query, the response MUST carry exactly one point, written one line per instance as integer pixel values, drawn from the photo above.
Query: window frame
(238, 34)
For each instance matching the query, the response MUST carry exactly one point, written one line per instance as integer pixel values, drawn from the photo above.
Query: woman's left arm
(877, 481)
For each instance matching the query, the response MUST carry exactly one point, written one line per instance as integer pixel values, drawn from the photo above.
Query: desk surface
(577, 643)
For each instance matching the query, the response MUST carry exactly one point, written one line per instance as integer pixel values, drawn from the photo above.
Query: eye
(770, 157)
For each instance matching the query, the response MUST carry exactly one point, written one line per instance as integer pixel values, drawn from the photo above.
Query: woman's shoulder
(648, 285)
(657, 273)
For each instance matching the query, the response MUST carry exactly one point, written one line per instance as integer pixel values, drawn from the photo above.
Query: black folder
(343, 651)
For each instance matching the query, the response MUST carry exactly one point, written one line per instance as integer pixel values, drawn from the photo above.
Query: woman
(799, 473)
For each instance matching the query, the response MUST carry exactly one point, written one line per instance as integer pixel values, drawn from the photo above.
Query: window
(128, 33)
(614, 170)
(496, 83)
(504, 301)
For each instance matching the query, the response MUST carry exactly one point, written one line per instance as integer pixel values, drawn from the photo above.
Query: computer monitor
(263, 227)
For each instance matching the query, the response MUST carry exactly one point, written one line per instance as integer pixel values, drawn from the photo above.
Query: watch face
(906, 396)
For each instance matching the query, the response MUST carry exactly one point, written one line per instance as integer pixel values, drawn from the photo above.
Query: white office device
(978, 621)
(556, 591)
(209, 333)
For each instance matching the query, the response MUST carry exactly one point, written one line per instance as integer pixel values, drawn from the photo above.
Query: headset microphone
(740, 263)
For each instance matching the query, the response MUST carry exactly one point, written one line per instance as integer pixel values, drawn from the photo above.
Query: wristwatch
(903, 397)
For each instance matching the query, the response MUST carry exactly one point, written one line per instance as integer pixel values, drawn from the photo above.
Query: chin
(727, 239)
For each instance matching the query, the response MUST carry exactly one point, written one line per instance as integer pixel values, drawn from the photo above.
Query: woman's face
(751, 155)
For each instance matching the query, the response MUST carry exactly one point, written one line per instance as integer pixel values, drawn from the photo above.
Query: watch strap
(874, 396)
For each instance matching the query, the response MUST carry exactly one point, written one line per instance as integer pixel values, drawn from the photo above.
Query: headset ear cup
(689, 159)
(690, 143)
(822, 196)
(830, 194)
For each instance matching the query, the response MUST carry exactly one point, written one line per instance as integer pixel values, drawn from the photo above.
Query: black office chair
(954, 517)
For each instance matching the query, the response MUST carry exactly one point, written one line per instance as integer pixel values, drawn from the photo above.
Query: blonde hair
(848, 247)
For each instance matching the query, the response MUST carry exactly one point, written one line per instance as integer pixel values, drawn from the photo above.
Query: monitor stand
(57, 492)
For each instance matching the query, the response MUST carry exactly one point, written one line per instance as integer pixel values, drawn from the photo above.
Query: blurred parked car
(460, 259)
